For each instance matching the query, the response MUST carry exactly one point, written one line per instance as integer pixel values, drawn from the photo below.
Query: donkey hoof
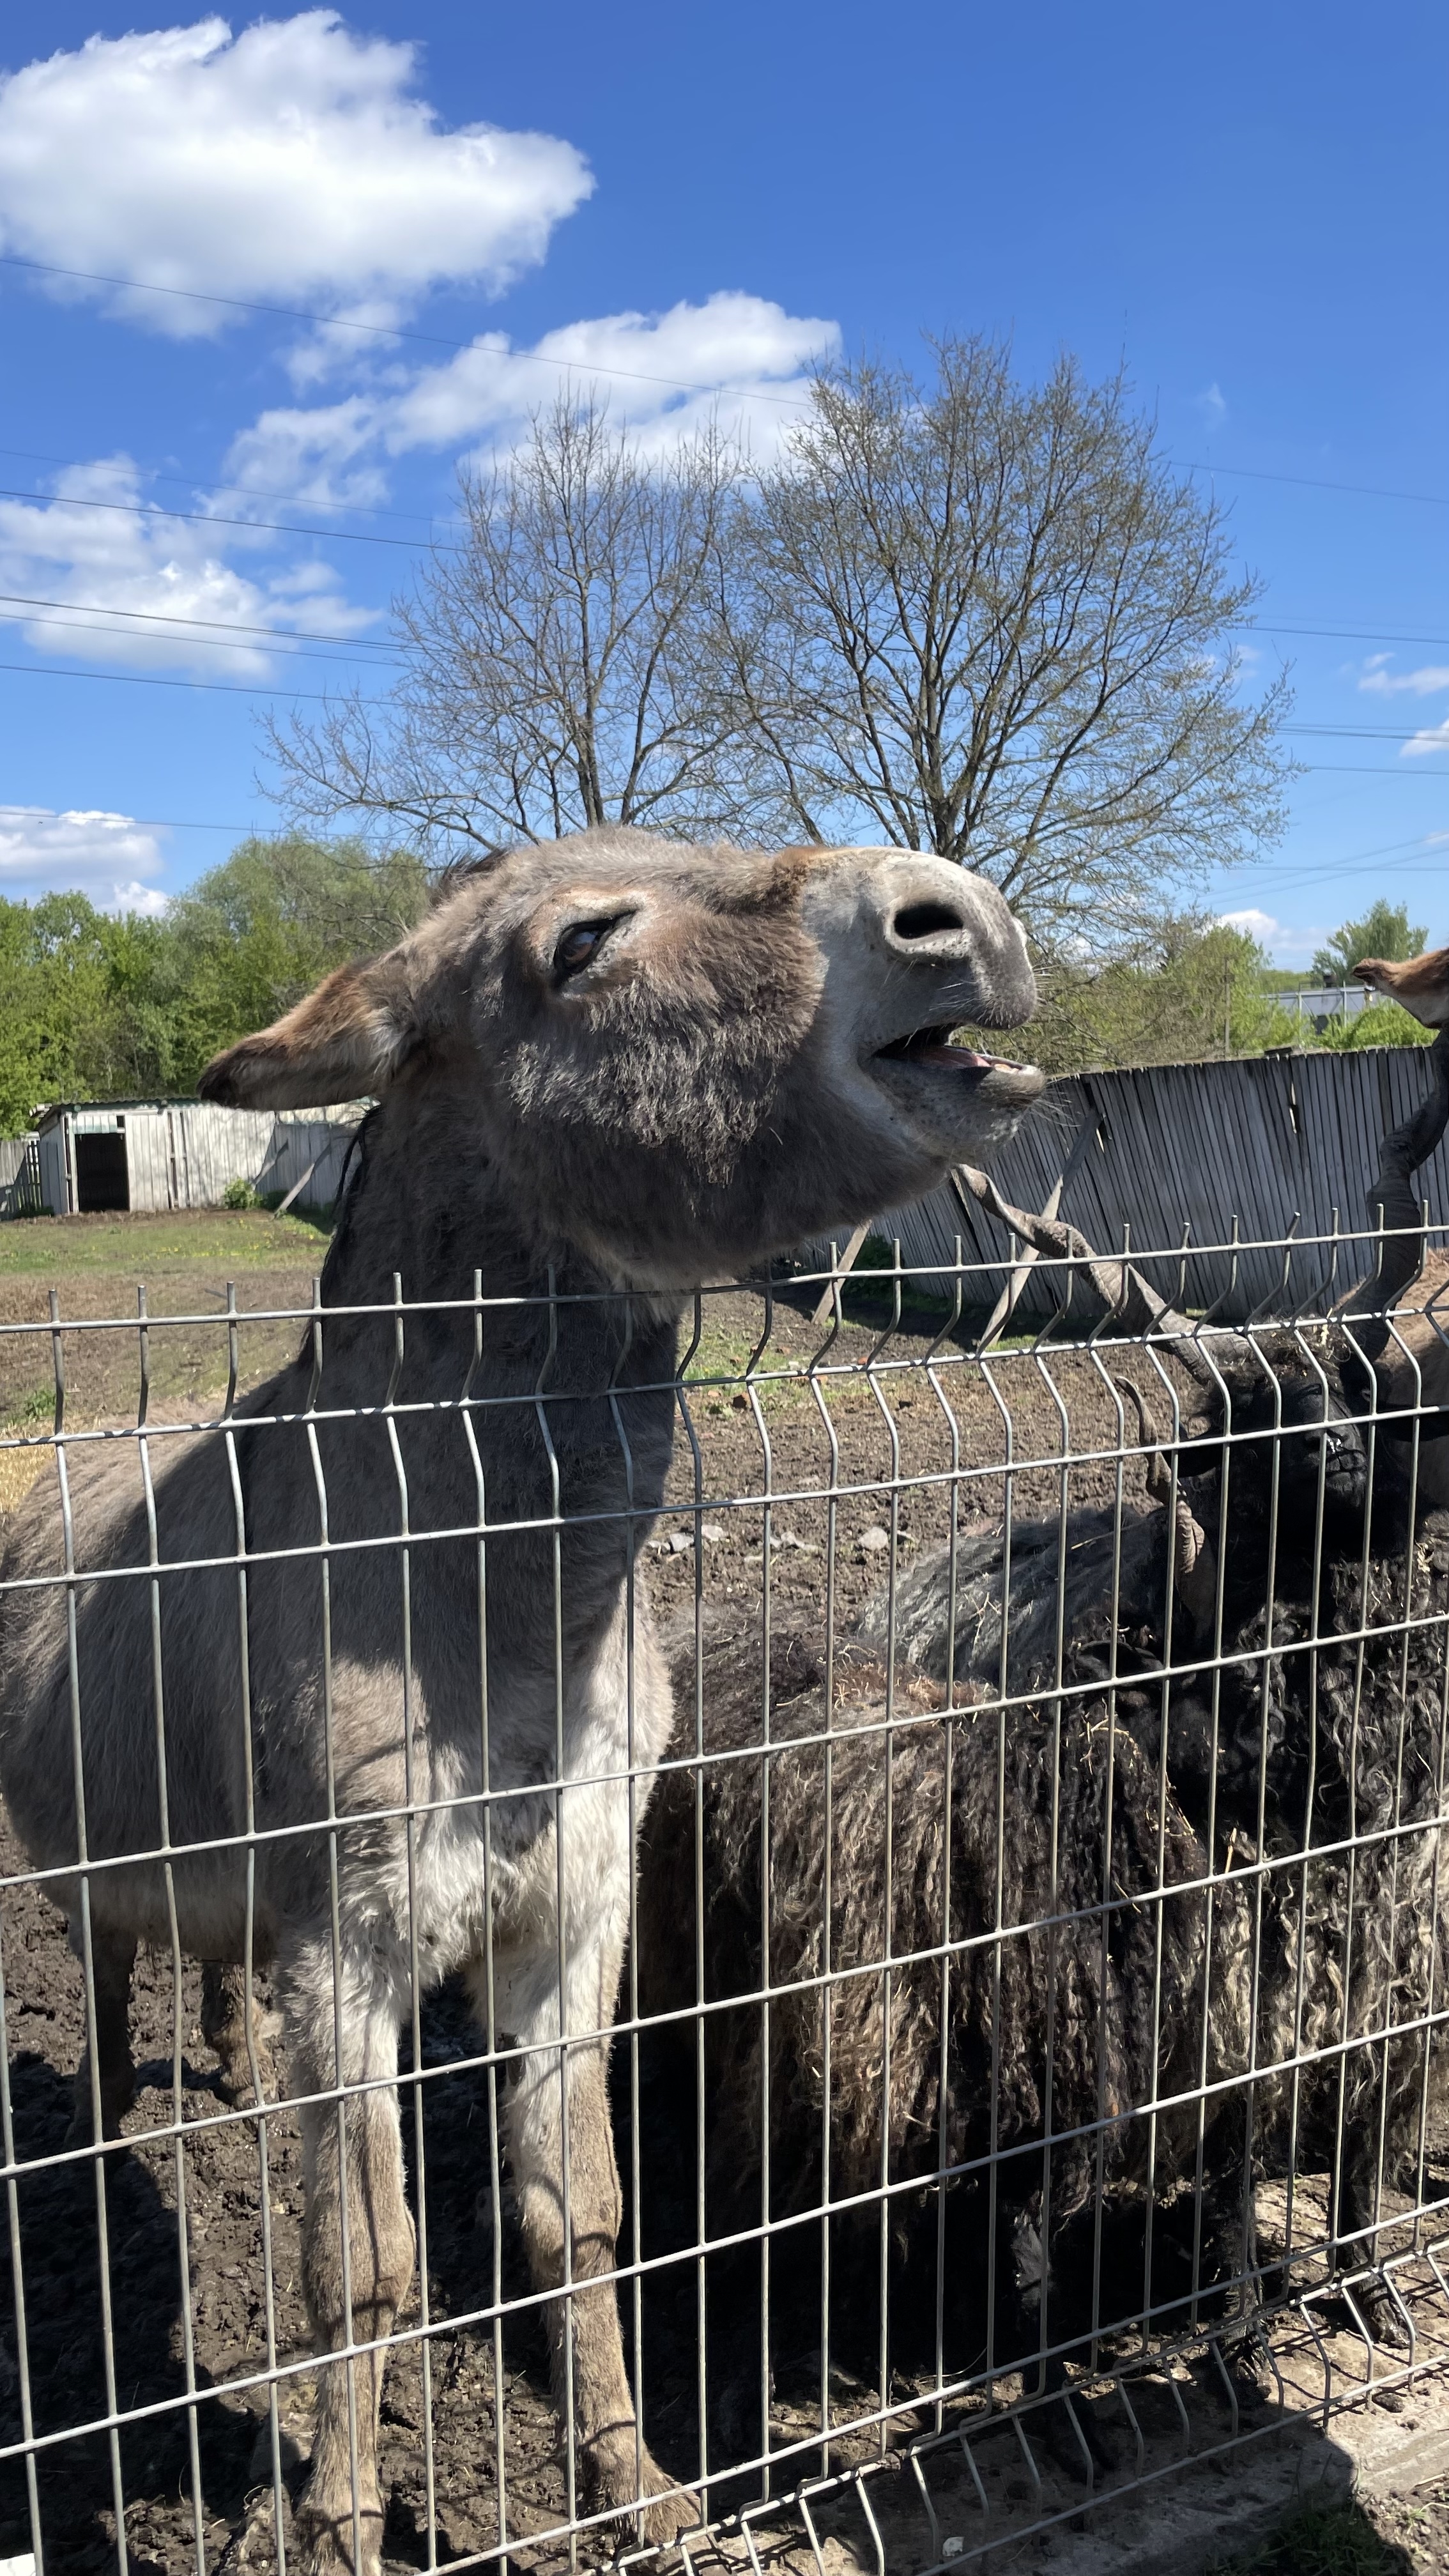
(1072, 2438)
(235, 2084)
(1381, 2315)
(666, 2516)
(327, 2541)
(645, 2499)
(80, 2130)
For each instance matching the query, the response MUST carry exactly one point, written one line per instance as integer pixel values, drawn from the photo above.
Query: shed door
(101, 1178)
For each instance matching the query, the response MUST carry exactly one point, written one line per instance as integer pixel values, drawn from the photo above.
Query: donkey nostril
(919, 920)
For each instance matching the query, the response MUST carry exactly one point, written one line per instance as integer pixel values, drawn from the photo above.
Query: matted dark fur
(1114, 1997)
(1094, 2002)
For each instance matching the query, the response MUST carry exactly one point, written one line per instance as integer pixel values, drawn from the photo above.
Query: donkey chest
(557, 1815)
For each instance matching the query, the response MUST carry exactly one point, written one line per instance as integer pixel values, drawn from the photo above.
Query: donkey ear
(346, 1039)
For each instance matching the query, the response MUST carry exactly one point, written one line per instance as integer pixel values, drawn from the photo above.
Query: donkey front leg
(358, 2248)
(615, 2467)
(112, 1959)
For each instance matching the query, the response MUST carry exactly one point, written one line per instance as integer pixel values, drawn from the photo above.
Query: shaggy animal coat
(1112, 1997)
(1023, 1978)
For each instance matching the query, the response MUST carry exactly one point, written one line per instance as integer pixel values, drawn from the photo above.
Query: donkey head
(678, 1059)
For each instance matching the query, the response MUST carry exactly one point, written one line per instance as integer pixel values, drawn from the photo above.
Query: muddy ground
(901, 1442)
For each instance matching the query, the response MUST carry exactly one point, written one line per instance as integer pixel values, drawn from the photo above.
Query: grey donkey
(613, 1063)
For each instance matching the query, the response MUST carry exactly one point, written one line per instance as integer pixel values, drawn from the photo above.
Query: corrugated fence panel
(183, 1155)
(1260, 1139)
(148, 1164)
(220, 1145)
(20, 1176)
(309, 1149)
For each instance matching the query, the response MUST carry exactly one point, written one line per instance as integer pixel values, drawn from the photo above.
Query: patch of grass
(29, 1411)
(58, 1247)
(1322, 2540)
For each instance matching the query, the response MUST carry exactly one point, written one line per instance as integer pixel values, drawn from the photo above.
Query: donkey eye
(578, 947)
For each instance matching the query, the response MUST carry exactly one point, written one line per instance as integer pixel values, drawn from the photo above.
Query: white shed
(159, 1154)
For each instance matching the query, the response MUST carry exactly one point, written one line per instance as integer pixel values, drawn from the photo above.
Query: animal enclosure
(1027, 2069)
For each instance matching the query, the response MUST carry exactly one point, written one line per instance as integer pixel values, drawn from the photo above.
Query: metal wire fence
(822, 1937)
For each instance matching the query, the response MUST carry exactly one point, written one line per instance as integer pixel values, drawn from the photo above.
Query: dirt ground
(184, 2222)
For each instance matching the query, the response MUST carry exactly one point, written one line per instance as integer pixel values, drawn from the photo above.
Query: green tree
(1383, 932)
(52, 988)
(253, 935)
(92, 1007)
(1192, 990)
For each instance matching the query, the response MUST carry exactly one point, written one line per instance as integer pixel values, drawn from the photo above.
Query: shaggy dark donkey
(1257, 1687)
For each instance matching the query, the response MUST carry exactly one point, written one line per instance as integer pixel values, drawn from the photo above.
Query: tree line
(92, 1007)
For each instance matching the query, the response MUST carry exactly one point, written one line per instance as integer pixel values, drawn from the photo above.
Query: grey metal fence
(860, 1986)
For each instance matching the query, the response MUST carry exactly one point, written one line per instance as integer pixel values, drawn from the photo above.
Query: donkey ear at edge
(343, 1041)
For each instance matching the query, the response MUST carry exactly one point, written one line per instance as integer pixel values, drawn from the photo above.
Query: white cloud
(293, 162)
(92, 565)
(1381, 682)
(148, 901)
(1213, 407)
(108, 856)
(1432, 738)
(1286, 945)
(747, 356)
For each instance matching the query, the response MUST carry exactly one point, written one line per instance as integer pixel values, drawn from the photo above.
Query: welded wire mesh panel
(815, 1925)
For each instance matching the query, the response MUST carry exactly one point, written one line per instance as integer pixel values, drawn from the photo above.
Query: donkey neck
(487, 1301)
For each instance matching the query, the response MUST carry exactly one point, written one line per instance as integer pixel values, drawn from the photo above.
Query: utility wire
(155, 680)
(210, 519)
(198, 643)
(627, 375)
(200, 483)
(390, 331)
(379, 643)
(147, 822)
(177, 617)
(238, 689)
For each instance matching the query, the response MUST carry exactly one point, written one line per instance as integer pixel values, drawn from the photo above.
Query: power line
(389, 331)
(1423, 844)
(198, 643)
(133, 822)
(1349, 634)
(317, 697)
(210, 519)
(628, 375)
(378, 643)
(1312, 483)
(155, 680)
(1359, 733)
(381, 644)
(375, 510)
(200, 483)
(174, 617)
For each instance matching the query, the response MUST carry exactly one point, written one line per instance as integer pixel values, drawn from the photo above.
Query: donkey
(604, 1069)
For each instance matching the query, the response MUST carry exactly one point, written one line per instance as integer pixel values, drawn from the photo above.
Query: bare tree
(557, 668)
(986, 619)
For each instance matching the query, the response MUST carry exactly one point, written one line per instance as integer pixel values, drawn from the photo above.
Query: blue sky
(1246, 205)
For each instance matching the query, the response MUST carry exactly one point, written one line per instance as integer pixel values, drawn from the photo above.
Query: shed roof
(64, 1108)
